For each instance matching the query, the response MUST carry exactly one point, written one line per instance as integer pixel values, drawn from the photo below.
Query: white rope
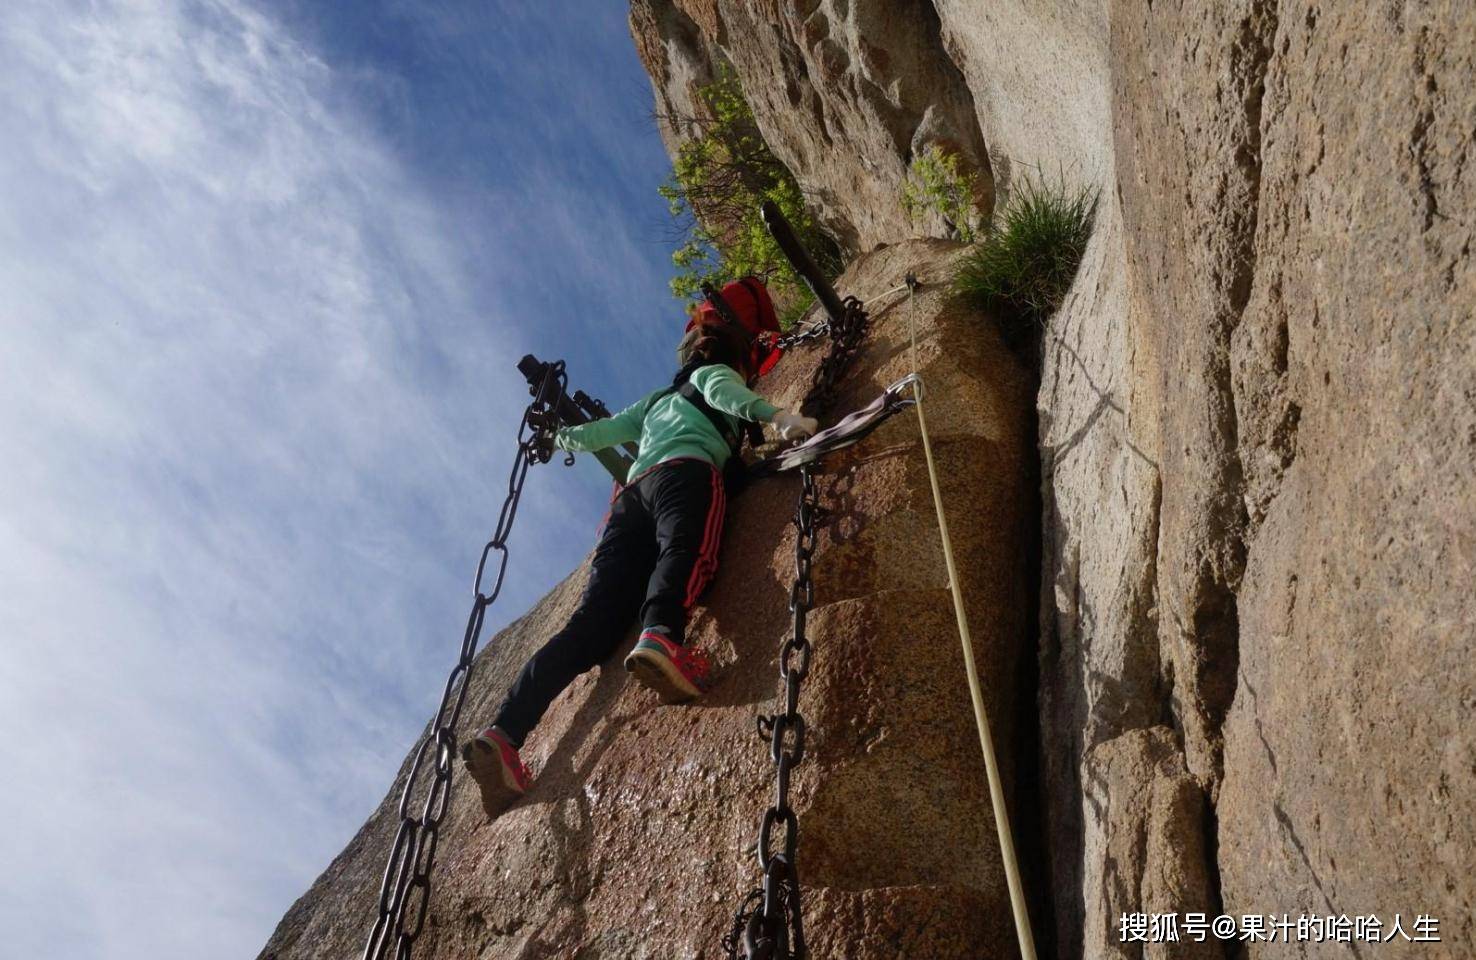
(981, 717)
(885, 293)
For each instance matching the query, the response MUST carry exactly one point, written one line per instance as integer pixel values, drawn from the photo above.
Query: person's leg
(622, 563)
(687, 503)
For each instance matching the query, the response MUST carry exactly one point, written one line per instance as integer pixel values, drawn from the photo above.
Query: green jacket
(670, 428)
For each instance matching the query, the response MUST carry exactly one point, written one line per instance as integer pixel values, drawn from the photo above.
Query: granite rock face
(634, 841)
(846, 93)
(1149, 839)
(1311, 293)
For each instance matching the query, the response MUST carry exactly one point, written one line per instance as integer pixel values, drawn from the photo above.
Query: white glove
(793, 425)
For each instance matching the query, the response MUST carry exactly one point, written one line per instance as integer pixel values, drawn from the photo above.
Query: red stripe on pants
(706, 564)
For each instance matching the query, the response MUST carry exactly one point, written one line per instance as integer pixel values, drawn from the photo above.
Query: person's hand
(792, 425)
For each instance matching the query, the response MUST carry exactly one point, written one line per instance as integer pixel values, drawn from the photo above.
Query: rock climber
(658, 549)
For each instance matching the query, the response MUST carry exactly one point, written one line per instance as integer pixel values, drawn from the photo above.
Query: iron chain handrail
(822, 327)
(775, 931)
(769, 922)
(813, 332)
(412, 856)
(846, 334)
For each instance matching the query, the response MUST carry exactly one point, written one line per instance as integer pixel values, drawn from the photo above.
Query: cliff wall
(1256, 427)
(1246, 480)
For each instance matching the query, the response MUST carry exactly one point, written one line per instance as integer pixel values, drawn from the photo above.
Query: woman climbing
(658, 549)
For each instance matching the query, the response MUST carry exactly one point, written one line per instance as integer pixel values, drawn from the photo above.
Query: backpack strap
(689, 392)
(683, 387)
(735, 471)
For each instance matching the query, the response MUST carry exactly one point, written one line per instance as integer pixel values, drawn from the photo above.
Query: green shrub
(1023, 267)
(936, 183)
(719, 178)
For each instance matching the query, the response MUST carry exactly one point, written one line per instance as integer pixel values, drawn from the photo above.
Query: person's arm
(725, 391)
(623, 427)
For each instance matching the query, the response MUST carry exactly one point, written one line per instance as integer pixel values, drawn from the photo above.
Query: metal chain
(773, 924)
(769, 923)
(846, 334)
(413, 853)
(821, 327)
(813, 332)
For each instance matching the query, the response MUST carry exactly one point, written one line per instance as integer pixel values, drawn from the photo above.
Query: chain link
(770, 918)
(813, 332)
(404, 893)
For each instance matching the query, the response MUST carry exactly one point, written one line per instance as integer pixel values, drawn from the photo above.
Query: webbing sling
(849, 430)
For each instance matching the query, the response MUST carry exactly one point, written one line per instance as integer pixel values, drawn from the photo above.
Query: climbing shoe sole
(655, 671)
(494, 780)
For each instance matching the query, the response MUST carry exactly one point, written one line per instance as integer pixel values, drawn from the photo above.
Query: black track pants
(657, 553)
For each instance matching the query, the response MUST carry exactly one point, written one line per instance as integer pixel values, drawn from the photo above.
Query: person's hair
(722, 344)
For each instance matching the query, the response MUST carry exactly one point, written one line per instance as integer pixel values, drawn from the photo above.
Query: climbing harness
(412, 855)
(976, 694)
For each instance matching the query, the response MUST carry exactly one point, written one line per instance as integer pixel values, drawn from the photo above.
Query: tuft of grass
(1023, 267)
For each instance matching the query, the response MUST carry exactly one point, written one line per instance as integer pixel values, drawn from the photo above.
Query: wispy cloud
(254, 410)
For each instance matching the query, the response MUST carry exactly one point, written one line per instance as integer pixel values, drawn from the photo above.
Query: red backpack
(746, 303)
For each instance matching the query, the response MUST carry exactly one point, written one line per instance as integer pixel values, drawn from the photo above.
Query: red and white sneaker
(675, 672)
(500, 773)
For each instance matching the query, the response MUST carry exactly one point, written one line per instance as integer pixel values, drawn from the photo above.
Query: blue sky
(265, 269)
